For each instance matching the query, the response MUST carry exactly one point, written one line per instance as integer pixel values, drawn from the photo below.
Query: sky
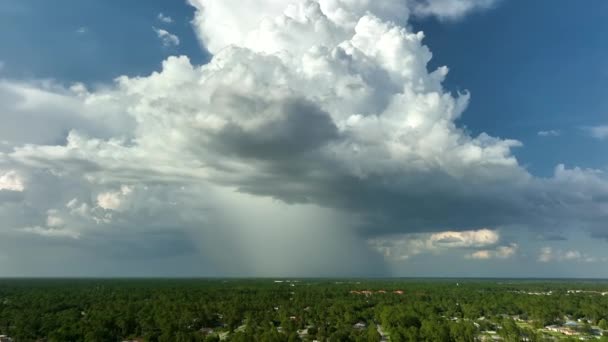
(304, 138)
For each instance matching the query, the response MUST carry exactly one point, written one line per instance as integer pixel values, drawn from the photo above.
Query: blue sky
(43, 39)
(550, 62)
(182, 159)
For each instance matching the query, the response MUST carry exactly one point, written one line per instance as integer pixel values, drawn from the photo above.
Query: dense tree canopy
(265, 310)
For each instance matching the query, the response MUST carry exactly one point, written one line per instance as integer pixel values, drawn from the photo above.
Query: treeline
(262, 310)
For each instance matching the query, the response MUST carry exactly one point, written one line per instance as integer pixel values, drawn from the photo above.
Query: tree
(510, 331)
(462, 331)
(372, 333)
(603, 324)
(212, 338)
(293, 337)
(433, 330)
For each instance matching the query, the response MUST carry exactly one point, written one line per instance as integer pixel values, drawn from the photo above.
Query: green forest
(302, 310)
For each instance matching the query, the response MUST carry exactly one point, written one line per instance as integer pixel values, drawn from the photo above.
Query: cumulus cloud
(481, 255)
(549, 254)
(322, 115)
(501, 252)
(114, 200)
(168, 39)
(53, 220)
(11, 181)
(474, 238)
(164, 18)
(252, 23)
(483, 242)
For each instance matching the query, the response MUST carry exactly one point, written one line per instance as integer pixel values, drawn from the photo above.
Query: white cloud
(549, 254)
(549, 133)
(11, 181)
(81, 209)
(252, 23)
(450, 9)
(82, 30)
(572, 255)
(505, 252)
(168, 39)
(500, 252)
(405, 246)
(481, 255)
(471, 238)
(114, 200)
(164, 18)
(546, 254)
(53, 220)
(599, 132)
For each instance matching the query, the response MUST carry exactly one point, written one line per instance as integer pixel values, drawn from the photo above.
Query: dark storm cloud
(297, 127)
(147, 244)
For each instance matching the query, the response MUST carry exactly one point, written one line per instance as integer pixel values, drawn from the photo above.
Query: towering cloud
(321, 114)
